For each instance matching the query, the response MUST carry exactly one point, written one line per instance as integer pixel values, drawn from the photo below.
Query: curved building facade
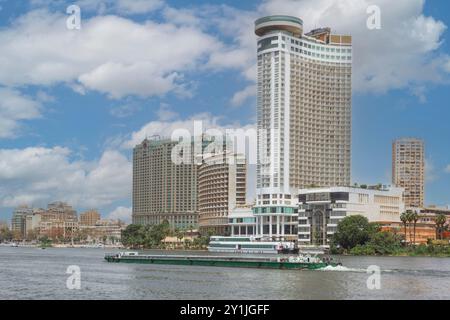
(221, 187)
(303, 117)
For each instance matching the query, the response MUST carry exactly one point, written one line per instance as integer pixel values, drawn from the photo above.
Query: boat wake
(342, 269)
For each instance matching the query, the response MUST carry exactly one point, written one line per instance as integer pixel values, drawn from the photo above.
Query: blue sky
(72, 103)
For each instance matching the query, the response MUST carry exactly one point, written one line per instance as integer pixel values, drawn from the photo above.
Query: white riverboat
(249, 245)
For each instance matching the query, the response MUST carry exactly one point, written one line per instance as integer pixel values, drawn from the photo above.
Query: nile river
(32, 273)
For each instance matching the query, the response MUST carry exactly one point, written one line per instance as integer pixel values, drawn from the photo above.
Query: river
(32, 273)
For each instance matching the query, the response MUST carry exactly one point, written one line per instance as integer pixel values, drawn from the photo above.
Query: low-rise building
(104, 231)
(425, 226)
(242, 221)
(320, 210)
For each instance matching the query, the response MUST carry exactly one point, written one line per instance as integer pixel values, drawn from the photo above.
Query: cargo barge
(300, 262)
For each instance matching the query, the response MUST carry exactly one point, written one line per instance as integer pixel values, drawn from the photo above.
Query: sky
(74, 102)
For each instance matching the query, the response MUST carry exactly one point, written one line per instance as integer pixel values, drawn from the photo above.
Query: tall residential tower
(408, 170)
(163, 190)
(303, 117)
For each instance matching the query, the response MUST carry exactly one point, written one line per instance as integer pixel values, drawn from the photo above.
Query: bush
(353, 231)
(362, 250)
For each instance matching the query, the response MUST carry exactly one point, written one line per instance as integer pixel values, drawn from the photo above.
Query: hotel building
(162, 189)
(221, 187)
(408, 170)
(320, 210)
(303, 118)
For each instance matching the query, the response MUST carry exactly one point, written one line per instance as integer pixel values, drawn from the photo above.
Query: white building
(320, 210)
(303, 118)
(242, 221)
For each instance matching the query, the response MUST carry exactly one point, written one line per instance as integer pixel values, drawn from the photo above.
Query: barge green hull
(223, 263)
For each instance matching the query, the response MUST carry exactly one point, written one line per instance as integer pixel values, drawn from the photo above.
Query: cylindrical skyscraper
(304, 118)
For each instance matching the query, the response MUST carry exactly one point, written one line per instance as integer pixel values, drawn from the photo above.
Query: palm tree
(415, 218)
(404, 219)
(440, 221)
(409, 217)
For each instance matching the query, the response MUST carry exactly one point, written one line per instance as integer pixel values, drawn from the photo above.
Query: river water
(32, 273)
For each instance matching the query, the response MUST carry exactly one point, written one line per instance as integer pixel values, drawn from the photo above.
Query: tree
(133, 236)
(409, 218)
(157, 233)
(5, 234)
(179, 234)
(353, 231)
(31, 235)
(404, 219)
(439, 222)
(415, 218)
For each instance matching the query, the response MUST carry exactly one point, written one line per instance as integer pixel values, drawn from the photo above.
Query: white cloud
(138, 6)
(15, 107)
(36, 176)
(165, 113)
(125, 110)
(109, 54)
(447, 169)
(120, 57)
(164, 129)
(122, 214)
(125, 7)
(241, 96)
(430, 171)
(447, 64)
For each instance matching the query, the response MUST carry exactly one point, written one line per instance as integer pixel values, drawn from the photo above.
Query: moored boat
(294, 262)
(250, 245)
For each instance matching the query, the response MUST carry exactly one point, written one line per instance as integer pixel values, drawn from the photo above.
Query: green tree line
(356, 236)
(152, 236)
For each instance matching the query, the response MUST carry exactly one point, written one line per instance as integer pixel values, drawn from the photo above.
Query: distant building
(103, 231)
(221, 187)
(408, 170)
(162, 189)
(89, 218)
(33, 222)
(18, 221)
(320, 210)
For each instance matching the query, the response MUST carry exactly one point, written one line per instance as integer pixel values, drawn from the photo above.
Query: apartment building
(408, 170)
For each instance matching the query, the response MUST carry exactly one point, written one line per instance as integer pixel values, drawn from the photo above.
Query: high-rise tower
(163, 190)
(408, 170)
(303, 117)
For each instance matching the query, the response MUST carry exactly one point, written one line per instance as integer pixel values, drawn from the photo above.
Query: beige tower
(221, 187)
(408, 170)
(163, 190)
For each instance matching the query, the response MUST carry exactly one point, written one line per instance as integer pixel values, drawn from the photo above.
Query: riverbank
(430, 250)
